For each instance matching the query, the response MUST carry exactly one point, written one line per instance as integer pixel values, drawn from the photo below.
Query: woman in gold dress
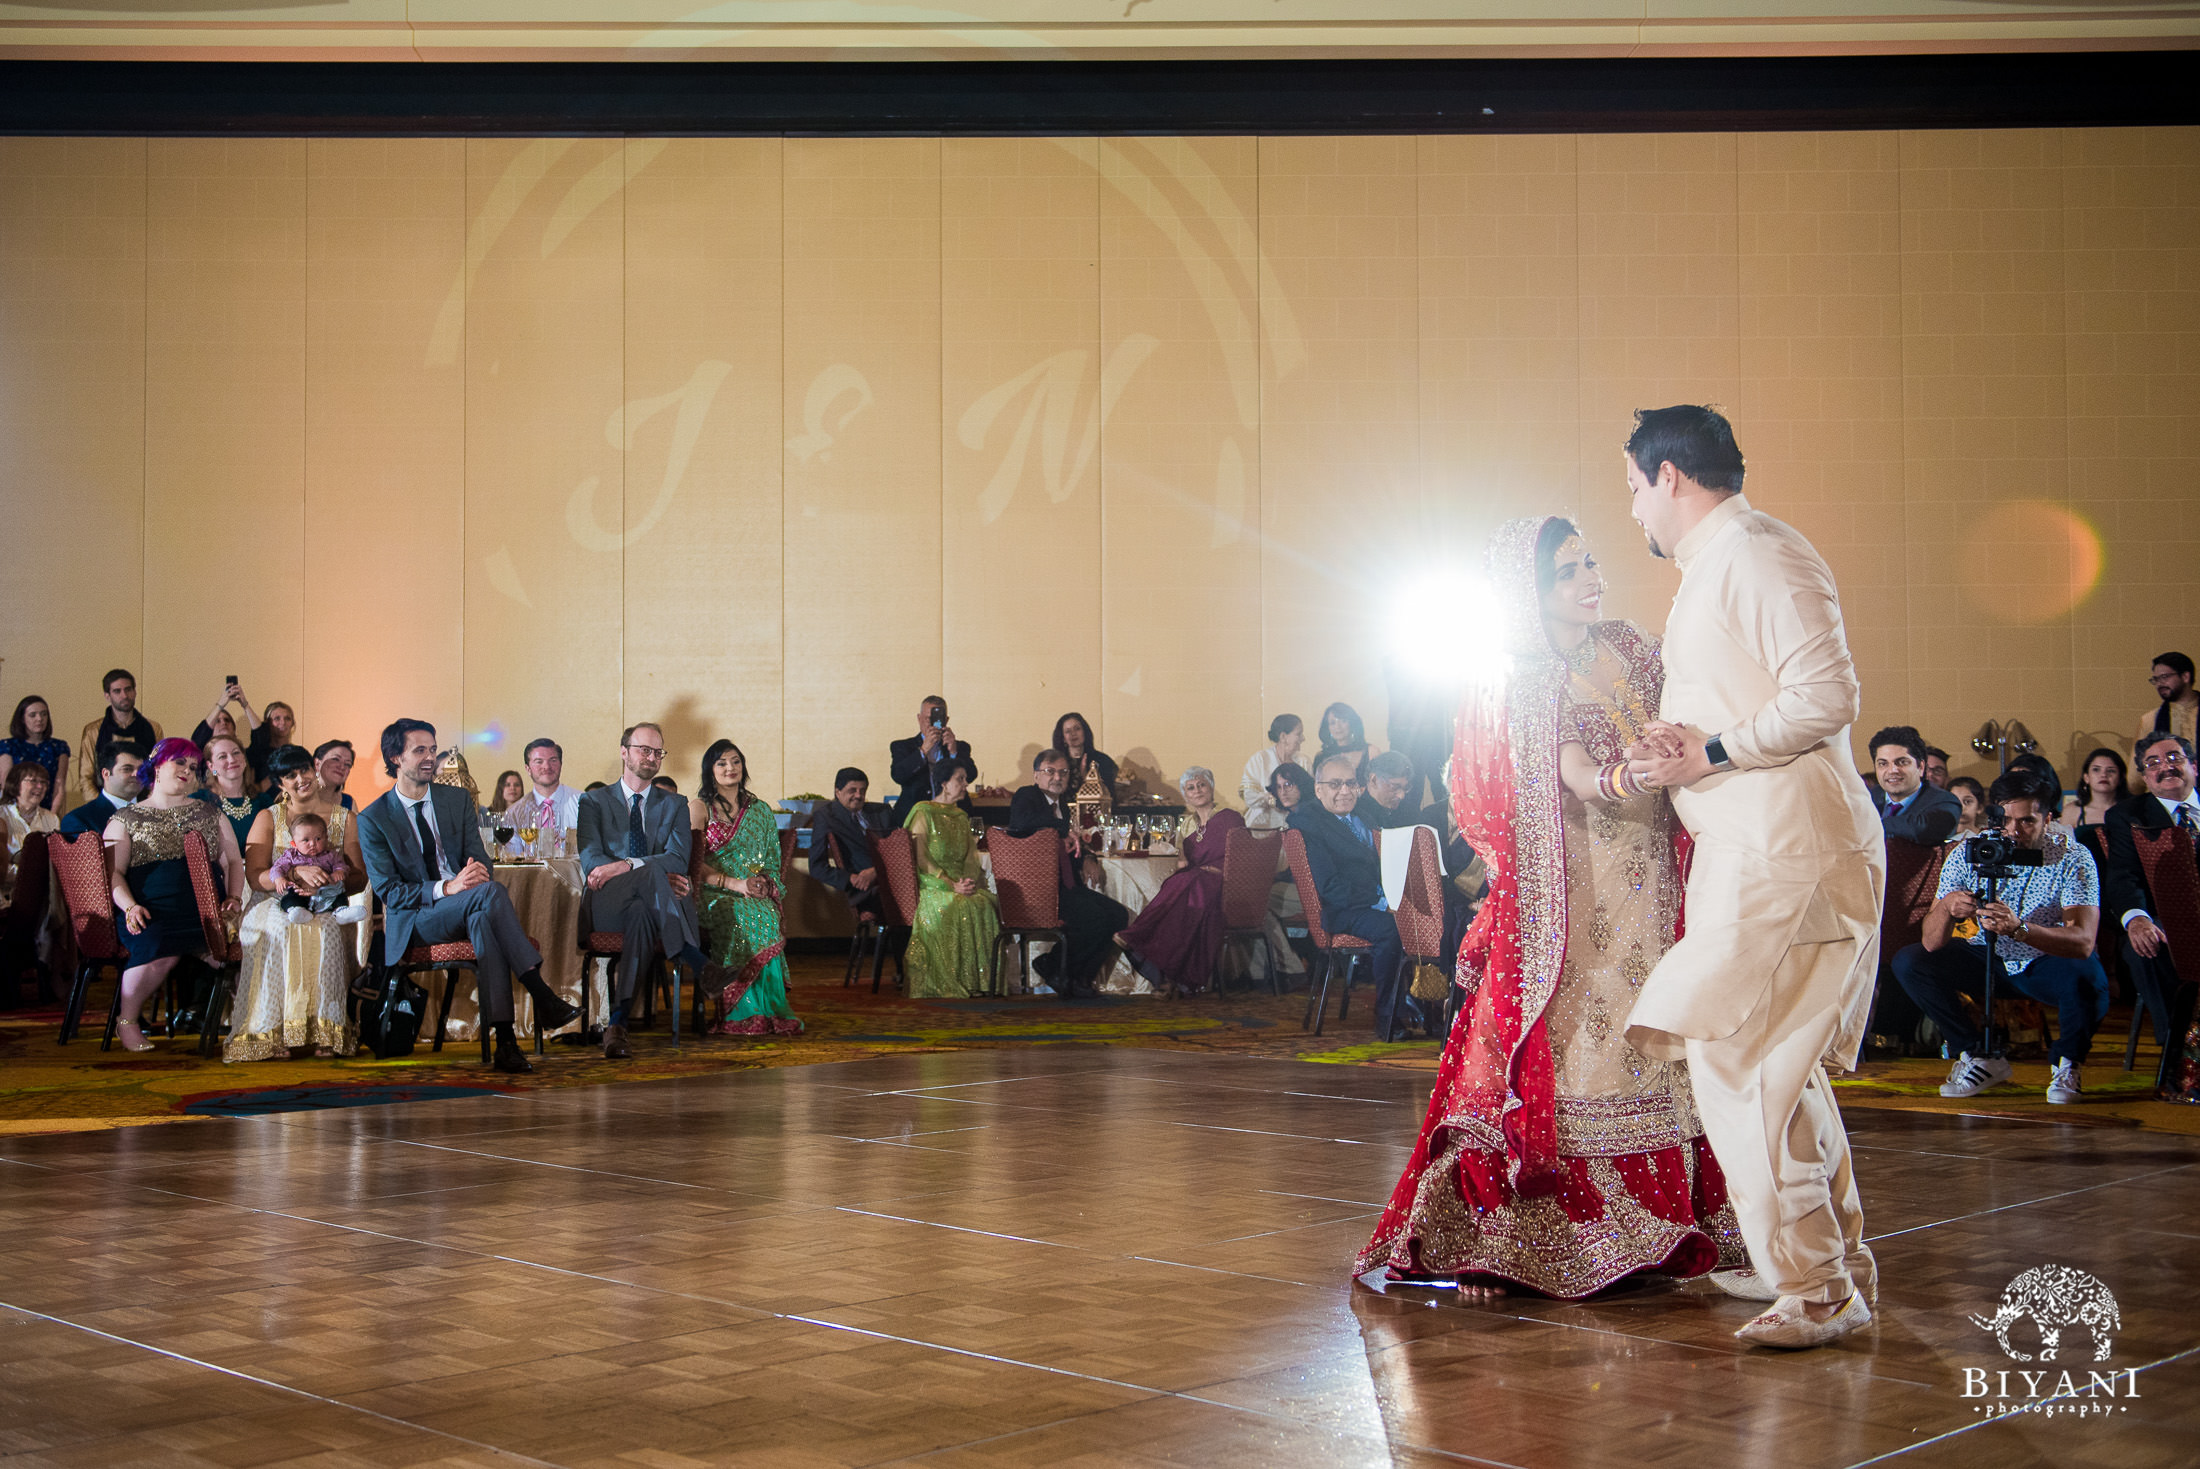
(1554, 1155)
(951, 945)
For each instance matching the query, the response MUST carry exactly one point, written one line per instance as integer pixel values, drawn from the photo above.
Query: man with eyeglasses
(634, 838)
(2178, 713)
(2166, 765)
(1348, 879)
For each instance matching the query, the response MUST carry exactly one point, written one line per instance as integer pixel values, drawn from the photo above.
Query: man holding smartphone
(912, 759)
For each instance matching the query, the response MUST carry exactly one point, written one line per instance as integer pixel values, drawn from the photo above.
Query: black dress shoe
(555, 1013)
(184, 1022)
(510, 1058)
(614, 1044)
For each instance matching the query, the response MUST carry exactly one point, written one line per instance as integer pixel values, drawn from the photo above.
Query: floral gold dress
(1554, 1155)
(951, 945)
(741, 934)
(294, 989)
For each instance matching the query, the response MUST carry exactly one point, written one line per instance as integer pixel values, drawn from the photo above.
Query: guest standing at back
(120, 727)
(913, 762)
(1343, 733)
(30, 737)
(1073, 737)
(2178, 711)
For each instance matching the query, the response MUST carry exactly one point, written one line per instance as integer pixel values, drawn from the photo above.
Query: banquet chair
(1328, 946)
(22, 923)
(80, 865)
(1420, 916)
(866, 925)
(1248, 872)
(2166, 859)
(1027, 881)
(609, 947)
(222, 949)
(2107, 950)
(896, 856)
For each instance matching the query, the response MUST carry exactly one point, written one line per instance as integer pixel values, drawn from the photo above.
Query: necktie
(636, 844)
(428, 850)
(1894, 809)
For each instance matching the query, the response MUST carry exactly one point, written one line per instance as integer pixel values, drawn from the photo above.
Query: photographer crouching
(2038, 895)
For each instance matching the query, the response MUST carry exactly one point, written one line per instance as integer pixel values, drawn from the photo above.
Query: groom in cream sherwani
(1774, 975)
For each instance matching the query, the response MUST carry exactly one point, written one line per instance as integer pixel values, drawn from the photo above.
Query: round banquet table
(549, 898)
(1132, 879)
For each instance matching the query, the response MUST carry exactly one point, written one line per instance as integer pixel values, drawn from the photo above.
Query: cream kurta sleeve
(1786, 604)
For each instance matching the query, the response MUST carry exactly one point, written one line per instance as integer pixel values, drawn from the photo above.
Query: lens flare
(491, 736)
(1444, 630)
(2061, 554)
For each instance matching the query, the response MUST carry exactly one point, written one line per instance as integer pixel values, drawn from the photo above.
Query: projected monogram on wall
(1040, 429)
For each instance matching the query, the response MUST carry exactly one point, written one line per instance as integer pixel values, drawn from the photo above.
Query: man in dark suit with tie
(1090, 920)
(118, 787)
(841, 831)
(635, 841)
(1909, 806)
(1348, 879)
(2166, 765)
(911, 760)
(422, 845)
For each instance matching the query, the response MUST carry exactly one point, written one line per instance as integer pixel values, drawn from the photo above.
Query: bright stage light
(1448, 630)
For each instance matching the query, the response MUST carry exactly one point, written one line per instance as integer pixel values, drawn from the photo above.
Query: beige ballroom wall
(771, 438)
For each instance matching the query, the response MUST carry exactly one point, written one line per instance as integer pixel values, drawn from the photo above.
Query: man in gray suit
(634, 848)
(422, 844)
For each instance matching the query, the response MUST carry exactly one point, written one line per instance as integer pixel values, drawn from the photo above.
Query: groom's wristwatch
(1714, 750)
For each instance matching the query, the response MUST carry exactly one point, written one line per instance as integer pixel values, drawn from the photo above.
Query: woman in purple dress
(1180, 931)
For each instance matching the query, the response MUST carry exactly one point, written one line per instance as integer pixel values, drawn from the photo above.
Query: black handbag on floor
(391, 1011)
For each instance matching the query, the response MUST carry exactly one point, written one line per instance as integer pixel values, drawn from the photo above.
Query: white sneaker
(1974, 1074)
(2063, 1085)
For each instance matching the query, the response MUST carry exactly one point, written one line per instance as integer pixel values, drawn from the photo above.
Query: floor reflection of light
(2030, 561)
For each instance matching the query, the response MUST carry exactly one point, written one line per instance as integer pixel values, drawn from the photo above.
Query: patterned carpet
(50, 1088)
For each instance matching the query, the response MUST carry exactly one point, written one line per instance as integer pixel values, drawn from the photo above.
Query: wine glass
(503, 834)
(528, 833)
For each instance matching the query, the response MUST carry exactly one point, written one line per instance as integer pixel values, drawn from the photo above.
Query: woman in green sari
(951, 946)
(739, 898)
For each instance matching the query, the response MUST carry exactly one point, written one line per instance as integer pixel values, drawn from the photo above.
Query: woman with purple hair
(152, 885)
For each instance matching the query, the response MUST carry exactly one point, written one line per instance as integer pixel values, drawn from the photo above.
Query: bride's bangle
(1616, 783)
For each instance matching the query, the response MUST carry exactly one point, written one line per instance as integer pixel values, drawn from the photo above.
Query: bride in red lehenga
(1554, 1155)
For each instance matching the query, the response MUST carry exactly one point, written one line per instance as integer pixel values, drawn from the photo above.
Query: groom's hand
(1666, 756)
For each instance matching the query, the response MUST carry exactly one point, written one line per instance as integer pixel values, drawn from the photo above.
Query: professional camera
(1995, 854)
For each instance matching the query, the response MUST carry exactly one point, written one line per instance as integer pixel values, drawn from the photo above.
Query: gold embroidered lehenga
(1553, 1154)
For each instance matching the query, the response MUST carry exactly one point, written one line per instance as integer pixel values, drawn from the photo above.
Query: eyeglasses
(1338, 785)
(2162, 762)
(657, 750)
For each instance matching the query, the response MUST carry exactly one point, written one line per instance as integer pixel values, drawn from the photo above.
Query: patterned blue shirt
(2038, 895)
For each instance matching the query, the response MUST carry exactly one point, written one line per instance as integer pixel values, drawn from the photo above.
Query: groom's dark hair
(1697, 441)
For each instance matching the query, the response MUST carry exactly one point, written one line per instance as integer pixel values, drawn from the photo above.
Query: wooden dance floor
(1051, 1256)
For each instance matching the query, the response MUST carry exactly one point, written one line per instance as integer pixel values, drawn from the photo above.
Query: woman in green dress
(739, 899)
(951, 946)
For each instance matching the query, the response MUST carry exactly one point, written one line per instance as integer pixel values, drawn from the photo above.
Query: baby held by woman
(309, 848)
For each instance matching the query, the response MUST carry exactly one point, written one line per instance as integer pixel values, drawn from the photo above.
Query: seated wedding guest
(1291, 787)
(119, 727)
(2044, 768)
(1073, 737)
(739, 906)
(1936, 767)
(634, 840)
(2103, 781)
(667, 784)
(2045, 921)
(1389, 778)
(510, 791)
(1286, 733)
(1090, 920)
(2178, 709)
(554, 805)
(594, 785)
(1179, 931)
(950, 951)
(841, 831)
(294, 990)
(30, 737)
(911, 761)
(1348, 877)
(1344, 734)
(1973, 797)
(2169, 800)
(25, 815)
(1908, 807)
(151, 882)
(227, 790)
(421, 843)
(332, 762)
(118, 787)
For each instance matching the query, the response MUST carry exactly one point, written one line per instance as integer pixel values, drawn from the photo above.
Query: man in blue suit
(118, 787)
(1348, 879)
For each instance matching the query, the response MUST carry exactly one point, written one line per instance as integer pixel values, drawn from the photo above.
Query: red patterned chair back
(1248, 874)
(33, 879)
(896, 856)
(220, 947)
(1027, 878)
(80, 863)
(1913, 876)
(1310, 899)
(2166, 857)
(786, 855)
(1420, 913)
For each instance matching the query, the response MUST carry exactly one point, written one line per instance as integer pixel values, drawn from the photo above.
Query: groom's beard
(1652, 542)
